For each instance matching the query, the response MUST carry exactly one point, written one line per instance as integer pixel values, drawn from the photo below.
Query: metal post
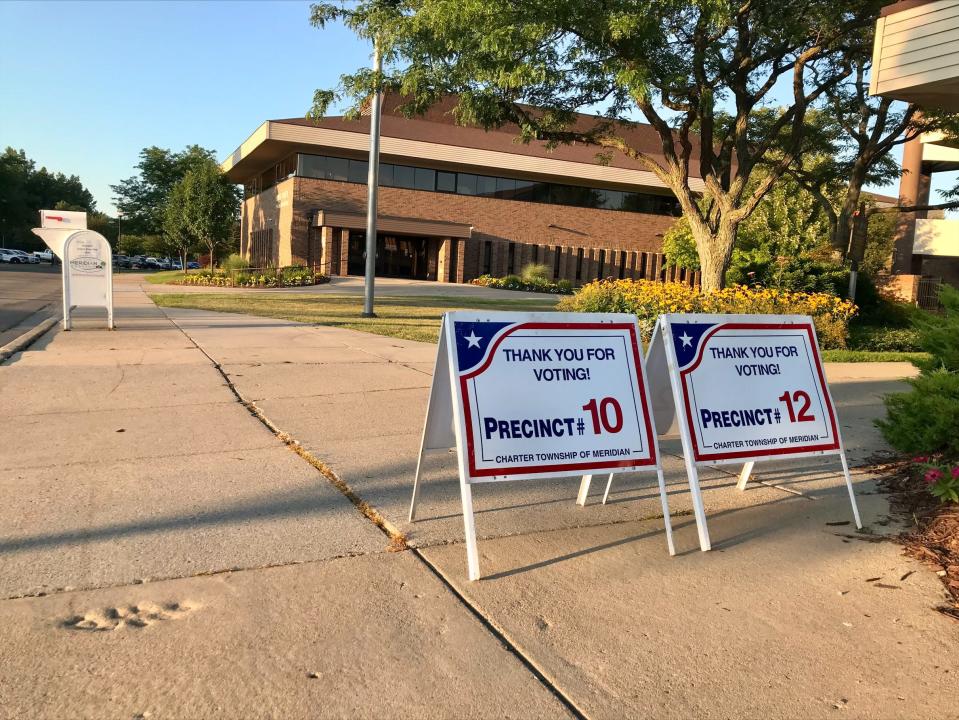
(372, 184)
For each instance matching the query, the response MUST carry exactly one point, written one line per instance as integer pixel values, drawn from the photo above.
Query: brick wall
(494, 220)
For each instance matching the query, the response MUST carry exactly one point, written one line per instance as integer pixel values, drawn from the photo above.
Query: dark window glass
(579, 263)
(402, 176)
(465, 184)
(505, 188)
(631, 202)
(487, 257)
(562, 195)
(485, 186)
(446, 182)
(511, 259)
(386, 175)
(612, 199)
(312, 166)
(359, 171)
(602, 265)
(424, 179)
(622, 264)
(524, 190)
(541, 192)
(337, 169)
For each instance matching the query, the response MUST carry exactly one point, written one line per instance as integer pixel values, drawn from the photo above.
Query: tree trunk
(844, 223)
(715, 252)
(212, 259)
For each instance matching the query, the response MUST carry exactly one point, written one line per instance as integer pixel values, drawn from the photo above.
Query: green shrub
(926, 419)
(514, 282)
(535, 273)
(234, 262)
(883, 339)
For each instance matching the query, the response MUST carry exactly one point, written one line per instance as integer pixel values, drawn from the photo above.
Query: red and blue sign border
(834, 446)
(561, 468)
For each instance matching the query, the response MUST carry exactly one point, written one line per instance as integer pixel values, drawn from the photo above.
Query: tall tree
(141, 198)
(700, 72)
(209, 205)
(24, 191)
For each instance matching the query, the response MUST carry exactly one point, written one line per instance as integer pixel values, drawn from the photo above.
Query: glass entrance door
(396, 256)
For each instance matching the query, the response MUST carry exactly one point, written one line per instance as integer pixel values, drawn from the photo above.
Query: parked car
(165, 263)
(138, 261)
(44, 255)
(176, 265)
(122, 261)
(16, 257)
(193, 265)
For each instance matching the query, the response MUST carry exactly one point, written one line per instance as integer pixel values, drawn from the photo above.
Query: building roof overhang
(276, 139)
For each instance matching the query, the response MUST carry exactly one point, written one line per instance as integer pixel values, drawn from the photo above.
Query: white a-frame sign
(534, 395)
(743, 388)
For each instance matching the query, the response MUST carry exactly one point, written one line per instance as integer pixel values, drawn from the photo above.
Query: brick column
(343, 265)
(443, 260)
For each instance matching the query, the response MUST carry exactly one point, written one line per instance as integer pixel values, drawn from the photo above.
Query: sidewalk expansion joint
(502, 635)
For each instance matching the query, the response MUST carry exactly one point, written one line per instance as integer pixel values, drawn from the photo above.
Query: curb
(27, 339)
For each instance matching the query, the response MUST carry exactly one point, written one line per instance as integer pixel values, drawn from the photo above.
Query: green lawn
(871, 356)
(164, 276)
(410, 318)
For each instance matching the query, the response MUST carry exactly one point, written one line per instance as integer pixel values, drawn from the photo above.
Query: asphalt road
(28, 295)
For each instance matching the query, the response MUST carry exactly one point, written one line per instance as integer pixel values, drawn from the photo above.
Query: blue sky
(84, 86)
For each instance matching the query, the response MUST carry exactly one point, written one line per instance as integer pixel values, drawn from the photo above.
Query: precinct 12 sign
(753, 387)
(557, 395)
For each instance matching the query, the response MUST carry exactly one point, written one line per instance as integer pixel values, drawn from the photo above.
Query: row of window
(414, 178)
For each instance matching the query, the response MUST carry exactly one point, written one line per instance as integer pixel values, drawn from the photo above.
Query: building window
(579, 264)
(403, 176)
(487, 257)
(622, 264)
(446, 182)
(424, 179)
(511, 259)
(602, 265)
(428, 180)
(359, 171)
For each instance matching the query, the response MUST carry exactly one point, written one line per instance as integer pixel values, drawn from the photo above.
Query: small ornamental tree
(704, 74)
(209, 206)
(177, 235)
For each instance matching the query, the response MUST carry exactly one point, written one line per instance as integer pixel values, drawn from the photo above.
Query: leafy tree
(142, 197)
(700, 72)
(209, 206)
(24, 191)
(177, 234)
(851, 139)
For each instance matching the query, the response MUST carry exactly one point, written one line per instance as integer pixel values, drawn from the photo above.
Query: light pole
(372, 185)
(119, 236)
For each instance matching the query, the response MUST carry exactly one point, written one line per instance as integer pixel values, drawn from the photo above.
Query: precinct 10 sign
(550, 395)
(753, 387)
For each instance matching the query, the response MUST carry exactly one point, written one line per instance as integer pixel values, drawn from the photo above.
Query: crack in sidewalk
(398, 540)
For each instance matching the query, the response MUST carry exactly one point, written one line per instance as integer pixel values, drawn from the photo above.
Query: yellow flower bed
(648, 300)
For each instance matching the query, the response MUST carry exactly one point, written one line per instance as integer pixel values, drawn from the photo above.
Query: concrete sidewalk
(144, 465)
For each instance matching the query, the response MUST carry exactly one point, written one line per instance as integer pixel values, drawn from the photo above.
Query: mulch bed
(934, 535)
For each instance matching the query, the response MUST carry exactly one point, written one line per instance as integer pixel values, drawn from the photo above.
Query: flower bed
(648, 300)
(515, 282)
(253, 278)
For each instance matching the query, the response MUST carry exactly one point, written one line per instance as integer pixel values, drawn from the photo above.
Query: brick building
(454, 202)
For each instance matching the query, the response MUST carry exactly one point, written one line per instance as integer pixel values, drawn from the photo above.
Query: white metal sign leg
(472, 554)
(609, 484)
(852, 496)
(745, 474)
(667, 521)
(416, 486)
(583, 489)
